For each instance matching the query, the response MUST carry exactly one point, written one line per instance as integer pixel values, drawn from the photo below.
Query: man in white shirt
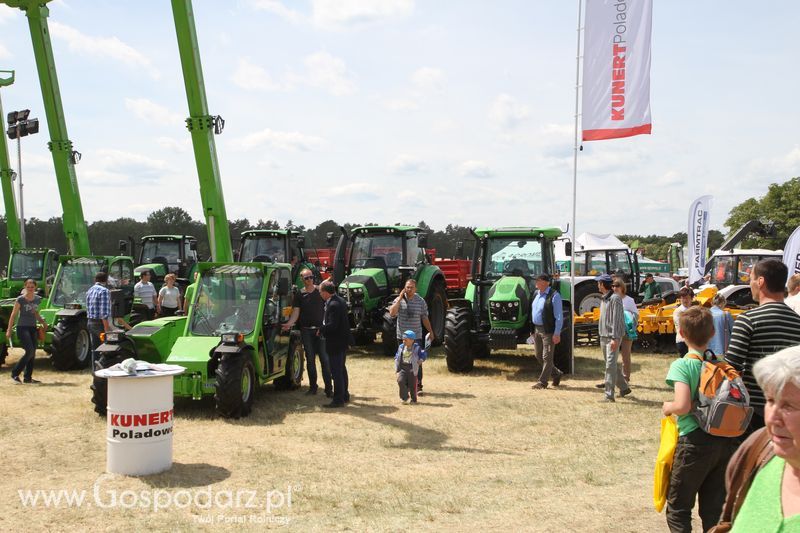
(147, 292)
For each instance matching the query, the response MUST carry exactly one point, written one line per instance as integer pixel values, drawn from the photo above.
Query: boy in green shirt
(700, 459)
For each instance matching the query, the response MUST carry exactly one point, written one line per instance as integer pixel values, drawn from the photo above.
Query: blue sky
(401, 110)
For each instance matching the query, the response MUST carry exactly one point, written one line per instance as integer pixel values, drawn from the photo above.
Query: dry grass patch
(480, 451)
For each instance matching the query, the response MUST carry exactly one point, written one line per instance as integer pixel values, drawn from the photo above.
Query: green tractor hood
(159, 270)
(154, 338)
(369, 284)
(508, 299)
(193, 353)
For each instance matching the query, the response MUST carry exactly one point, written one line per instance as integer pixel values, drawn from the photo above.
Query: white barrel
(139, 425)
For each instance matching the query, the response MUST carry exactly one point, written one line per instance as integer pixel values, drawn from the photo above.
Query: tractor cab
(731, 270)
(371, 266)
(29, 263)
(277, 246)
(168, 254)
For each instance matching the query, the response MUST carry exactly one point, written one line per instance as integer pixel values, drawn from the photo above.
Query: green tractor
(279, 246)
(371, 265)
(495, 313)
(67, 338)
(27, 263)
(230, 342)
(168, 254)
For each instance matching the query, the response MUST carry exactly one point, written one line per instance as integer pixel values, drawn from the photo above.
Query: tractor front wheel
(99, 385)
(389, 335)
(437, 310)
(587, 297)
(71, 347)
(235, 386)
(294, 367)
(458, 342)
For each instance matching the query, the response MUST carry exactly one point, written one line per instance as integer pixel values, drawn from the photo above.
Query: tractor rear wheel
(71, 347)
(437, 310)
(458, 342)
(235, 386)
(294, 367)
(389, 335)
(99, 385)
(587, 297)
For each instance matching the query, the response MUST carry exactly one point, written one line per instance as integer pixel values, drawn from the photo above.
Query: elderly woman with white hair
(771, 502)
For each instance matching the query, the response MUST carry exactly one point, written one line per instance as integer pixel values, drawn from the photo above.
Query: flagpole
(575, 187)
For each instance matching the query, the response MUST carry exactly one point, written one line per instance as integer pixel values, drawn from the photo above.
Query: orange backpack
(723, 403)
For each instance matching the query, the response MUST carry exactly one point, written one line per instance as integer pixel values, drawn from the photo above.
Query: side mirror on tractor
(301, 241)
(283, 287)
(329, 239)
(123, 247)
(568, 248)
(459, 248)
(422, 240)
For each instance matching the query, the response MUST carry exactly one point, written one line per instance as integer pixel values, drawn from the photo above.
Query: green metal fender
(426, 277)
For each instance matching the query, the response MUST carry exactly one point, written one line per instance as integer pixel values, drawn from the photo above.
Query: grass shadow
(188, 475)
(453, 395)
(55, 384)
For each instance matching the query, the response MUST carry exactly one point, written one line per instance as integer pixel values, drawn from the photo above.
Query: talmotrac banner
(698, 237)
(616, 69)
(791, 253)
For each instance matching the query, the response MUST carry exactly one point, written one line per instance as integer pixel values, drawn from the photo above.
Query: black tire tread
(458, 342)
(228, 396)
(65, 335)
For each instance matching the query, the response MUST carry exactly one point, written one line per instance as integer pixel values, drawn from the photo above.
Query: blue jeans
(314, 346)
(28, 338)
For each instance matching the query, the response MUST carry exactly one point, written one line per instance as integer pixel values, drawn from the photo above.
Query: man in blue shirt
(548, 320)
(98, 309)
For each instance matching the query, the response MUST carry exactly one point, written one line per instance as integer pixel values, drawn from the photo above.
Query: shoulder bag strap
(742, 468)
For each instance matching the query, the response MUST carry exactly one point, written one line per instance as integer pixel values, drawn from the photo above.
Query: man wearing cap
(547, 318)
(406, 365)
(611, 329)
(650, 288)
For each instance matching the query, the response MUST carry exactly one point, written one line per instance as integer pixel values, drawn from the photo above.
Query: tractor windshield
(377, 251)
(263, 249)
(168, 252)
(513, 257)
(26, 265)
(227, 301)
(74, 279)
(731, 269)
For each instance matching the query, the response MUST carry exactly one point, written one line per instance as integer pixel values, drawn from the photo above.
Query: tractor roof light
(232, 338)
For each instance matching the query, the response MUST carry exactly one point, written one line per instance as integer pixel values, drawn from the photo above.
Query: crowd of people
(751, 481)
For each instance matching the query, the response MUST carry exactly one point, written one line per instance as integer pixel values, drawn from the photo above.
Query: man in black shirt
(308, 310)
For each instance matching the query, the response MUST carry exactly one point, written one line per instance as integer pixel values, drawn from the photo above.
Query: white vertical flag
(616, 69)
(791, 253)
(698, 237)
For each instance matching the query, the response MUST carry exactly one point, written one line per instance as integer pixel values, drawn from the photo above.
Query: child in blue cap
(406, 366)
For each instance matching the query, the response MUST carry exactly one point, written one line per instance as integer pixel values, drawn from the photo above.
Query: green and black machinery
(168, 254)
(279, 246)
(496, 310)
(371, 266)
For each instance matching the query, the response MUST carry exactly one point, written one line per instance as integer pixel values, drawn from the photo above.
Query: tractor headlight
(232, 338)
(113, 336)
(358, 290)
(73, 305)
(342, 291)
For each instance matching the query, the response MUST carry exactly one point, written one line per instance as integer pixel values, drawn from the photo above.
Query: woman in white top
(627, 343)
(169, 297)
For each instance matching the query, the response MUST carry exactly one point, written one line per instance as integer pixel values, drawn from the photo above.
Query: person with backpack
(700, 458)
(763, 477)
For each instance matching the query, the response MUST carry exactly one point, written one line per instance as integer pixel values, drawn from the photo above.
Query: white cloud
(328, 72)
(475, 169)
(111, 168)
(507, 113)
(343, 14)
(670, 177)
(322, 70)
(401, 104)
(406, 164)
(5, 53)
(356, 191)
(780, 167)
(254, 78)
(429, 79)
(152, 112)
(174, 145)
(284, 140)
(277, 8)
(7, 13)
(102, 47)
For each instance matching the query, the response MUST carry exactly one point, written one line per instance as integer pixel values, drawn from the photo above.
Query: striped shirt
(612, 317)
(757, 333)
(145, 291)
(410, 315)
(98, 302)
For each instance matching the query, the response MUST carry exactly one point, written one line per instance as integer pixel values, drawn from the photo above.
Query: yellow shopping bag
(666, 451)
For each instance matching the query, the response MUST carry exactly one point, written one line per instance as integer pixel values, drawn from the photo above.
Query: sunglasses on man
(308, 277)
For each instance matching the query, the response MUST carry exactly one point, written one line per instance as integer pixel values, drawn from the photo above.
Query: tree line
(780, 205)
